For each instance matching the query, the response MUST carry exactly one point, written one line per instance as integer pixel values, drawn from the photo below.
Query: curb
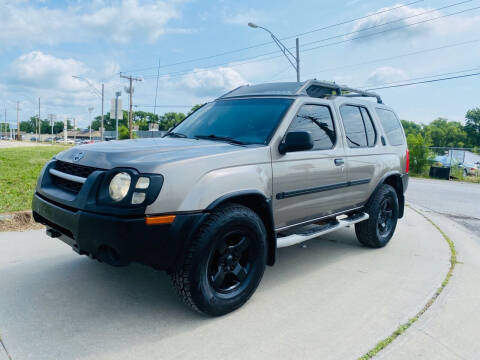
(382, 344)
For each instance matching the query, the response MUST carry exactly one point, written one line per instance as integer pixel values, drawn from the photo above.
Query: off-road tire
(192, 281)
(368, 231)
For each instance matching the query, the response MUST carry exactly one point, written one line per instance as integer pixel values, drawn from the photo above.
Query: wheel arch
(394, 179)
(261, 205)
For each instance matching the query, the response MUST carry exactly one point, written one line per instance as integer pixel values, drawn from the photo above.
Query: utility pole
(52, 122)
(18, 121)
(5, 122)
(101, 125)
(38, 120)
(130, 91)
(90, 109)
(117, 95)
(297, 58)
(156, 89)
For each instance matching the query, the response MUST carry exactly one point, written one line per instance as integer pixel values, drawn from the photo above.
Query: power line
(425, 77)
(425, 82)
(394, 57)
(390, 22)
(257, 58)
(285, 38)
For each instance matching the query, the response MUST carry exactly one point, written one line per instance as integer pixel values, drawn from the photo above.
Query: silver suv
(262, 167)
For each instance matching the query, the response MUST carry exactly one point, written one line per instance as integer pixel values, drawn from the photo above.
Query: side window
(391, 126)
(369, 128)
(354, 127)
(317, 120)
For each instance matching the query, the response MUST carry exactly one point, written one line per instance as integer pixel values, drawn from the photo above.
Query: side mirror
(296, 141)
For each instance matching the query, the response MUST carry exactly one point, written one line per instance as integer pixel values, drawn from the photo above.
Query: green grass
(19, 170)
(404, 327)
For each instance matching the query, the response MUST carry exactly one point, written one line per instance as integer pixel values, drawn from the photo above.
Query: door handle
(339, 162)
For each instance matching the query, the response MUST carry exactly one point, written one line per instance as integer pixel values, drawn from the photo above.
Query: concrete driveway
(332, 299)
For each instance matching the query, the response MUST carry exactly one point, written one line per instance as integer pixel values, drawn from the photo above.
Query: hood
(144, 154)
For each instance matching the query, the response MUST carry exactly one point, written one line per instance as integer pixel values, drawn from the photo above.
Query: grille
(68, 185)
(72, 169)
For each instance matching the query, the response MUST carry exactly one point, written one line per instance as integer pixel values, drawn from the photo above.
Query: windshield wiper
(175, 134)
(220, 138)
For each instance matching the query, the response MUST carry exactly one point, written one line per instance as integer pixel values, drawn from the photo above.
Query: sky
(205, 49)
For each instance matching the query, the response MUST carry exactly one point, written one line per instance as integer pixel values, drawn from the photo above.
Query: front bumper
(118, 240)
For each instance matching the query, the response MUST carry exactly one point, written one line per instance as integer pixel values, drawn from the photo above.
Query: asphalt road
(332, 299)
(458, 201)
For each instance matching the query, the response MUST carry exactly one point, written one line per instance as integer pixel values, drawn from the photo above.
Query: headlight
(119, 186)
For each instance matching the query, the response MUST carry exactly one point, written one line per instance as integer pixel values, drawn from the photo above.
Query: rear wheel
(382, 207)
(224, 263)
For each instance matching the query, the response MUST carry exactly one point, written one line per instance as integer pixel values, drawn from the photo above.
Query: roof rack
(320, 89)
(312, 88)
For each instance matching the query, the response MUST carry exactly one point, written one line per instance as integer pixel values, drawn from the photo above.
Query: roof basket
(322, 89)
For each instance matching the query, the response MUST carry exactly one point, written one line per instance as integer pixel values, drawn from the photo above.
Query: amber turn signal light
(156, 220)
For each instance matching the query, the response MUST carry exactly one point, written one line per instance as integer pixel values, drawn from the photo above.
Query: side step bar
(338, 224)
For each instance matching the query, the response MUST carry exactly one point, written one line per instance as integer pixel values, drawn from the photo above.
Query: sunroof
(285, 88)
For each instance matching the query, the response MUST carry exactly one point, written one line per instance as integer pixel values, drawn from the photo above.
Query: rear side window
(392, 127)
(317, 120)
(358, 125)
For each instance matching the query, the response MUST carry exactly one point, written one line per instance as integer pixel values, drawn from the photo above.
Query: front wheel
(224, 263)
(382, 207)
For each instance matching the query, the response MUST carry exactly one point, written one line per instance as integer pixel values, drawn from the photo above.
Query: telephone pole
(101, 125)
(18, 120)
(130, 91)
(38, 120)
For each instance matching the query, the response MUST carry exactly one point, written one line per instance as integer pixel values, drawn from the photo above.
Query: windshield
(247, 121)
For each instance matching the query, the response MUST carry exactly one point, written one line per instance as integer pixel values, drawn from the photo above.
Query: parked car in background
(471, 169)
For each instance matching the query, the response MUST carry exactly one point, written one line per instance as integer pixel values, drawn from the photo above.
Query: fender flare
(399, 188)
(262, 205)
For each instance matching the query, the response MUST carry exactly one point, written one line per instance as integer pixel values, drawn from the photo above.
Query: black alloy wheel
(230, 262)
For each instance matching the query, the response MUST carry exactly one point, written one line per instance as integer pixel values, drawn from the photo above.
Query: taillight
(407, 165)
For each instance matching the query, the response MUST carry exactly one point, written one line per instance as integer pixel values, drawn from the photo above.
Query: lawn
(19, 170)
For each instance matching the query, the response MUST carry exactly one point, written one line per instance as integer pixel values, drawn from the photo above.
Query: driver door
(310, 184)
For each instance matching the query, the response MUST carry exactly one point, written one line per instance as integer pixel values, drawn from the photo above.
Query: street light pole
(292, 59)
(90, 109)
(117, 95)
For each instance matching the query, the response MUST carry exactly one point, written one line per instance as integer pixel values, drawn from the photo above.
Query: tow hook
(53, 233)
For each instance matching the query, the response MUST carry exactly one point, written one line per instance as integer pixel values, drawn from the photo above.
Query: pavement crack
(441, 344)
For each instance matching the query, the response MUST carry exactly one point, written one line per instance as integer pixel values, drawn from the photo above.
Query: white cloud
(23, 23)
(211, 82)
(39, 70)
(396, 19)
(400, 19)
(386, 74)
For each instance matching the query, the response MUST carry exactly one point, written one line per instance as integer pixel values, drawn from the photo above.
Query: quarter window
(391, 126)
(369, 129)
(358, 125)
(317, 120)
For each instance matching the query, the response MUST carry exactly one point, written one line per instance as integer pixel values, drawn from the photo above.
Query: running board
(338, 224)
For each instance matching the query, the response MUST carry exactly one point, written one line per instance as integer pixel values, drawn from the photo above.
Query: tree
(472, 127)
(411, 127)
(195, 108)
(171, 119)
(419, 153)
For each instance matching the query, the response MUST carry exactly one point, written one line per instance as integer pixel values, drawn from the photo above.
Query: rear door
(309, 184)
(363, 153)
